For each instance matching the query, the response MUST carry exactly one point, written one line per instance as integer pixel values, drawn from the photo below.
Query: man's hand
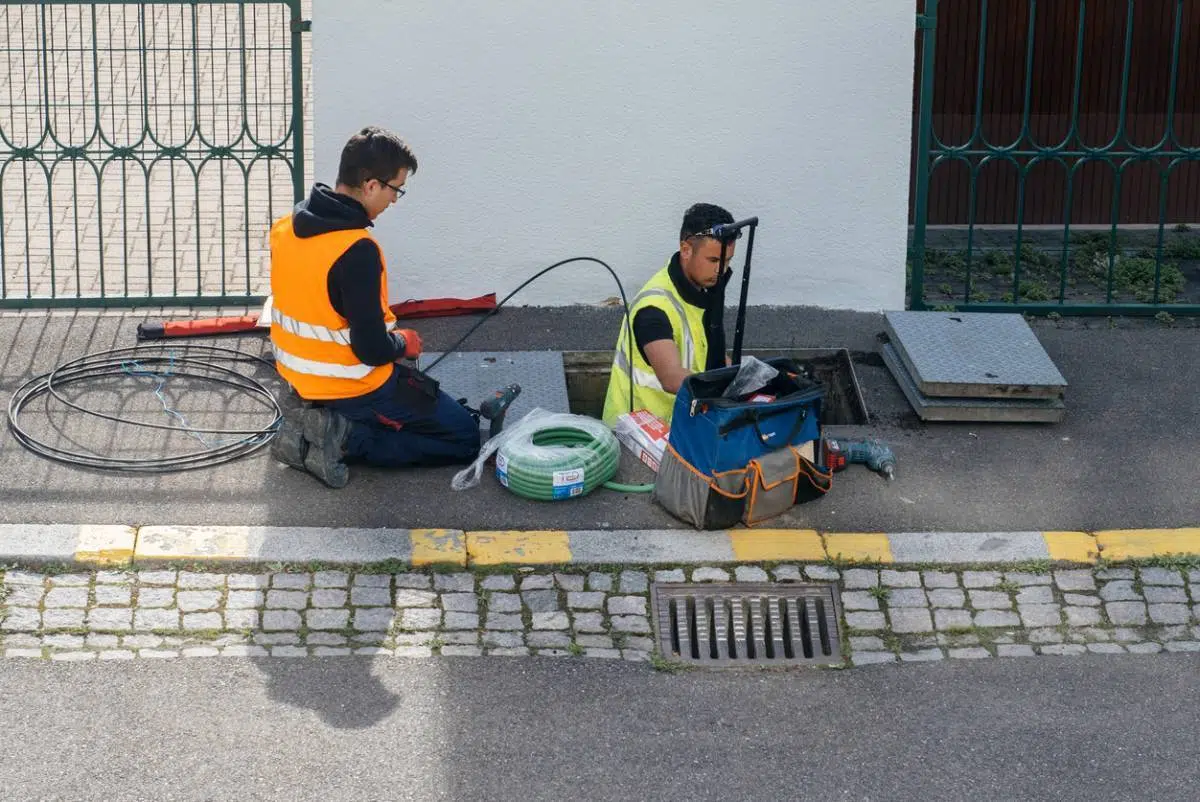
(663, 356)
(412, 343)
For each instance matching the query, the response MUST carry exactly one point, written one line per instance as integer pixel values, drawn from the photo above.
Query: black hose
(196, 361)
(620, 288)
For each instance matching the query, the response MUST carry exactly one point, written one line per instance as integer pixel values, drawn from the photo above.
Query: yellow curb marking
(105, 557)
(874, 548)
(104, 545)
(1075, 547)
(757, 545)
(433, 546)
(531, 548)
(1132, 544)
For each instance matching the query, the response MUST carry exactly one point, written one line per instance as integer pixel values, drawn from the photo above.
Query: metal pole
(927, 22)
(299, 26)
(741, 318)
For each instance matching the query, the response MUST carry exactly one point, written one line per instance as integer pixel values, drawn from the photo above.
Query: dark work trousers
(398, 426)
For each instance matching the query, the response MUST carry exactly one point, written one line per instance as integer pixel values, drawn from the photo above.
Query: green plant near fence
(1066, 270)
(145, 149)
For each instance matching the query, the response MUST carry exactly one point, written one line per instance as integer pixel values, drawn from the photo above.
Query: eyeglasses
(400, 191)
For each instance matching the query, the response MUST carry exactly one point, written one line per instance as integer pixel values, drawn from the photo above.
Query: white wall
(555, 128)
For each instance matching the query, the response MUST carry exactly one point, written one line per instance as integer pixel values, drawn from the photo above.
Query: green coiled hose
(584, 460)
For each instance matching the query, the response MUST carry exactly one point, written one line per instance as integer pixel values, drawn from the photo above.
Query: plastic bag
(517, 440)
(753, 374)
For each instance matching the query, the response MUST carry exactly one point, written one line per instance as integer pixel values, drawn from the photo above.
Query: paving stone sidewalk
(890, 614)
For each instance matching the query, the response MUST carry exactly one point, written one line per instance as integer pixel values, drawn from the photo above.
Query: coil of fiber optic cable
(559, 459)
(157, 363)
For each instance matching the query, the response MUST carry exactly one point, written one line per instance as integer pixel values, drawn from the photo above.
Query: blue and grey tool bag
(705, 476)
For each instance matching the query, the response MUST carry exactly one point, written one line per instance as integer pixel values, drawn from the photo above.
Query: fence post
(299, 26)
(927, 23)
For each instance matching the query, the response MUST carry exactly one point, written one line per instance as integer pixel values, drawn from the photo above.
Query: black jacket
(354, 280)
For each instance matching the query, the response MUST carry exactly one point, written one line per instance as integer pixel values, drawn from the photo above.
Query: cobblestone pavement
(891, 614)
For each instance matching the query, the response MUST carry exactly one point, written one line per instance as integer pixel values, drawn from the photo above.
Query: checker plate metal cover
(981, 410)
(974, 355)
(475, 375)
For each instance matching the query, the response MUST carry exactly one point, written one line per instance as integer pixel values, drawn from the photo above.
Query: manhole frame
(661, 593)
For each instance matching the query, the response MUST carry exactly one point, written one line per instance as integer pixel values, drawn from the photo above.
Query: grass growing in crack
(1031, 567)
(1173, 562)
(880, 593)
(574, 649)
(1008, 586)
(664, 665)
(841, 561)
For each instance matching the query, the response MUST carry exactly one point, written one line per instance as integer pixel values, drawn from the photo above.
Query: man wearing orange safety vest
(335, 339)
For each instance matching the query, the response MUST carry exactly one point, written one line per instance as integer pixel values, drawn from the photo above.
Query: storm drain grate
(735, 624)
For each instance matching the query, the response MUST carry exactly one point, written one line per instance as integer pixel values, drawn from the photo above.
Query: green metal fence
(145, 149)
(1058, 265)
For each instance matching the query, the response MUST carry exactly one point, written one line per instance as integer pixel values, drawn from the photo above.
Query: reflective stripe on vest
(640, 377)
(309, 331)
(689, 347)
(325, 369)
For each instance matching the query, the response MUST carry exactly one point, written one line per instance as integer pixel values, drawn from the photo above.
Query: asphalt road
(1123, 457)
(1111, 728)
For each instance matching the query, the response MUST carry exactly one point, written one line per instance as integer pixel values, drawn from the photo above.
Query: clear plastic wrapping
(753, 374)
(517, 440)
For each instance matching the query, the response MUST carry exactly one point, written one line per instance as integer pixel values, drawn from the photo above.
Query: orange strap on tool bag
(779, 480)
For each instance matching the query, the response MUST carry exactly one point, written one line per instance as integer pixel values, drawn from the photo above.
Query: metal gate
(145, 149)
(1057, 157)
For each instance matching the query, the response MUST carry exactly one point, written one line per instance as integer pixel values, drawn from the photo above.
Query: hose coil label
(568, 484)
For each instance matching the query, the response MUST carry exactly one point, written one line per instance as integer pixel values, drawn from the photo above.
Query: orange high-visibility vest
(311, 340)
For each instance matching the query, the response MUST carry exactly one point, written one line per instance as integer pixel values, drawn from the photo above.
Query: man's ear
(685, 250)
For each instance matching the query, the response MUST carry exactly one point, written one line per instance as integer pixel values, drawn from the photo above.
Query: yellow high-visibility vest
(687, 326)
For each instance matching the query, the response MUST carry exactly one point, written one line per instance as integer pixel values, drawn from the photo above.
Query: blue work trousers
(399, 426)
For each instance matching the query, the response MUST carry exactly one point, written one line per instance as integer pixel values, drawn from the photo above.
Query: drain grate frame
(727, 625)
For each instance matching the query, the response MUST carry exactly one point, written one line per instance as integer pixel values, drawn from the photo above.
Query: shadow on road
(344, 692)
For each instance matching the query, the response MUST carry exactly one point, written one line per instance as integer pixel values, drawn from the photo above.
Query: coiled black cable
(204, 362)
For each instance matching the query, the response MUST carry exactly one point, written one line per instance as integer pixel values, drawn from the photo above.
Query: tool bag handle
(753, 418)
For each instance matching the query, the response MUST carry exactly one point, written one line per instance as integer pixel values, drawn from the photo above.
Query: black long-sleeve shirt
(354, 281)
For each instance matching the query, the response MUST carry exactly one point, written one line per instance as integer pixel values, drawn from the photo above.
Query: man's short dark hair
(374, 153)
(702, 217)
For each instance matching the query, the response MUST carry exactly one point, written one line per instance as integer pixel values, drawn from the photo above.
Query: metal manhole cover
(742, 623)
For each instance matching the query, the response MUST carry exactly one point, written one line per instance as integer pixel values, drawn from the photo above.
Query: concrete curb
(116, 545)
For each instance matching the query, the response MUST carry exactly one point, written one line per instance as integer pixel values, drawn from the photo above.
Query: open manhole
(745, 623)
(588, 373)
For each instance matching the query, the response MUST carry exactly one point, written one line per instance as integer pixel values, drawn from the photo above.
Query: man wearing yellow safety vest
(678, 321)
(335, 339)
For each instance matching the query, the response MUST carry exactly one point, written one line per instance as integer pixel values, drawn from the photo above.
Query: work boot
(288, 445)
(326, 433)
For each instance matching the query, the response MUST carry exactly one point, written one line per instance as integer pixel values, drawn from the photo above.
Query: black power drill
(495, 408)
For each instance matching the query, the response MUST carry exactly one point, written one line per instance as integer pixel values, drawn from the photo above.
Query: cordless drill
(495, 408)
(875, 455)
